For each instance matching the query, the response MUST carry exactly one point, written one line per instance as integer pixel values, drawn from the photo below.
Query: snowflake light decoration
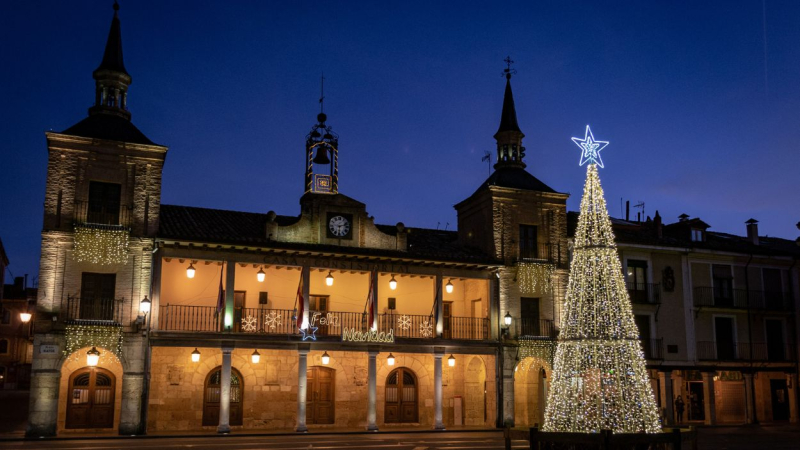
(249, 324)
(590, 149)
(404, 322)
(272, 319)
(426, 329)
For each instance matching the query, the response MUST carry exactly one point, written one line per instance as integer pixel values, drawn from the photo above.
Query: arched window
(211, 397)
(401, 397)
(90, 398)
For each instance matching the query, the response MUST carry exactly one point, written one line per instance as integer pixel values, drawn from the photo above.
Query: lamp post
(507, 322)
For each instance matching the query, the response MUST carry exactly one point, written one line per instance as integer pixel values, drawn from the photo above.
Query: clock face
(339, 226)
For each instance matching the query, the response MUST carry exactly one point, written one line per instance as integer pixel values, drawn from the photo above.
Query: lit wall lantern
(255, 357)
(326, 358)
(92, 357)
(449, 287)
(329, 279)
(25, 317)
(261, 275)
(392, 283)
(196, 355)
(390, 360)
(144, 305)
(507, 319)
(190, 271)
(451, 361)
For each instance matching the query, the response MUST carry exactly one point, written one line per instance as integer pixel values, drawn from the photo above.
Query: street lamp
(196, 355)
(449, 286)
(144, 305)
(326, 358)
(329, 279)
(190, 271)
(390, 359)
(261, 275)
(451, 361)
(255, 357)
(25, 316)
(92, 357)
(507, 319)
(392, 283)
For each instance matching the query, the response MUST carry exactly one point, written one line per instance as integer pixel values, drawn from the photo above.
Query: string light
(108, 337)
(100, 245)
(533, 277)
(599, 380)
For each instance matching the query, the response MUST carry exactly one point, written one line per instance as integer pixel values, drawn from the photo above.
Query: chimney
(752, 231)
(683, 217)
(628, 211)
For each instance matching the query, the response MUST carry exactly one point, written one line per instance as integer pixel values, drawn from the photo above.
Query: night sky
(698, 122)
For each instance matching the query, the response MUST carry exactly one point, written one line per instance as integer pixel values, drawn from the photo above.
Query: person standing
(679, 408)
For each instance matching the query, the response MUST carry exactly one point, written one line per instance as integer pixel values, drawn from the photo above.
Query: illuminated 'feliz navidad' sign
(353, 335)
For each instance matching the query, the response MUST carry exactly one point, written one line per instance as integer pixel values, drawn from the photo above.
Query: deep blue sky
(414, 91)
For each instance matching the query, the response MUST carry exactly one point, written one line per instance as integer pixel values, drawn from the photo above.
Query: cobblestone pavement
(769, 437)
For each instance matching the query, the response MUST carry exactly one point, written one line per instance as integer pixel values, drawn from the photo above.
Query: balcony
(743, 299)
(328, 323)
(100, 310)
(644, 293)
(653, 348)
(538, 328)
(541, 253)
(99, 215)
(745, 351)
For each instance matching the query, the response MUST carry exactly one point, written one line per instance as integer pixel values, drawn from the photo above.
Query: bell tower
(509, 137)
(322, 155)
(111, 78)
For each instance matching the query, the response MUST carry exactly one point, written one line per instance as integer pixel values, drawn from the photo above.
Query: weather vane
(590, 148)
(508, 71)
(321, 91)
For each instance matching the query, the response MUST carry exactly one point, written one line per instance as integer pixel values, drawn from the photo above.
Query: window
(3, 346)
(528, 247)
(97, 296)
(723, 285)
(5, 316)
(104, 203)
(392, 303)
(636, 278)
(697, 235)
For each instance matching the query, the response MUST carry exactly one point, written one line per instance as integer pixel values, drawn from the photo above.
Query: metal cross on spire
(508, 71)
(321, 91)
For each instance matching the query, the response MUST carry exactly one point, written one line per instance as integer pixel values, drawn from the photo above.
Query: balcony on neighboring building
(540, 253)
(743, 299)
(536, 328)
(103, 215)
(91, 309)
(327, 323)
(644, 293)
(745, 351)
(653, 348)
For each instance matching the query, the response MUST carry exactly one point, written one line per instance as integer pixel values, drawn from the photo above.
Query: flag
(487, 157)
(221, 293)
(436, 306)
(371, 306)
(301, 305)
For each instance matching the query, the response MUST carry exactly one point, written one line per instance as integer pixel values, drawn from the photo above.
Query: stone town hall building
(157, 317)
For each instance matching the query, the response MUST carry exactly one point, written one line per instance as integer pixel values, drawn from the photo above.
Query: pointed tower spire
(509, 137)
(111, 78)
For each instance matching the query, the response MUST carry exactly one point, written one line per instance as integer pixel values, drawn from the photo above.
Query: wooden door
(212, 393)
(320, 395)
(401, 397)
(91, 399)
(447, 330)
(97, 296)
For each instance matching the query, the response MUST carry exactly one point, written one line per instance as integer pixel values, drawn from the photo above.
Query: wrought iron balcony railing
(653, 348)
(98, 214)
(541, 328)
(546, 252)
(76, 308)
(743, 299)
(745, 351)
(644, 293)
(328, 323)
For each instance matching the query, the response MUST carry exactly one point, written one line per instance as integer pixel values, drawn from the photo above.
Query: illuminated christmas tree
(599, 379)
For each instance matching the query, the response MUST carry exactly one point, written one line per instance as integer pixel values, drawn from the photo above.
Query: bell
(322, 156)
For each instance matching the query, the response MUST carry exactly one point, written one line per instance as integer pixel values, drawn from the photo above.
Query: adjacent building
(155, 318)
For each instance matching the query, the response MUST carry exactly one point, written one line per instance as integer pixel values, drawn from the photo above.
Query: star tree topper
(590, 148)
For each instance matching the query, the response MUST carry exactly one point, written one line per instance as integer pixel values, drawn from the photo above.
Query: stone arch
(419, 363)
(531, 377)
(76, 361)
(475, 408)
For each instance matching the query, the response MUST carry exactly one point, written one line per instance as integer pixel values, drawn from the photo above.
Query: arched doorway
(530, 391)
(91, 399)
(320, 395)
(401, 397)
(475, 390)
(211, 397)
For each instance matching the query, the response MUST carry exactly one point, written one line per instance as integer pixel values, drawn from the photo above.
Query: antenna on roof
(640, 205)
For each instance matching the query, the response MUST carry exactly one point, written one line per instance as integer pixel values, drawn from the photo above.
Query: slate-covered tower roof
(510, 151)
(109, 118)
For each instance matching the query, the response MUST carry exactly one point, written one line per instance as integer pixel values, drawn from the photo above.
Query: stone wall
(270, 388)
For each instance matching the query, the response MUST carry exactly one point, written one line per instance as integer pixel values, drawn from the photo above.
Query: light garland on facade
(537, 348)
(599, 378)
(108, 338)
(534, 277)
(103, 246)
